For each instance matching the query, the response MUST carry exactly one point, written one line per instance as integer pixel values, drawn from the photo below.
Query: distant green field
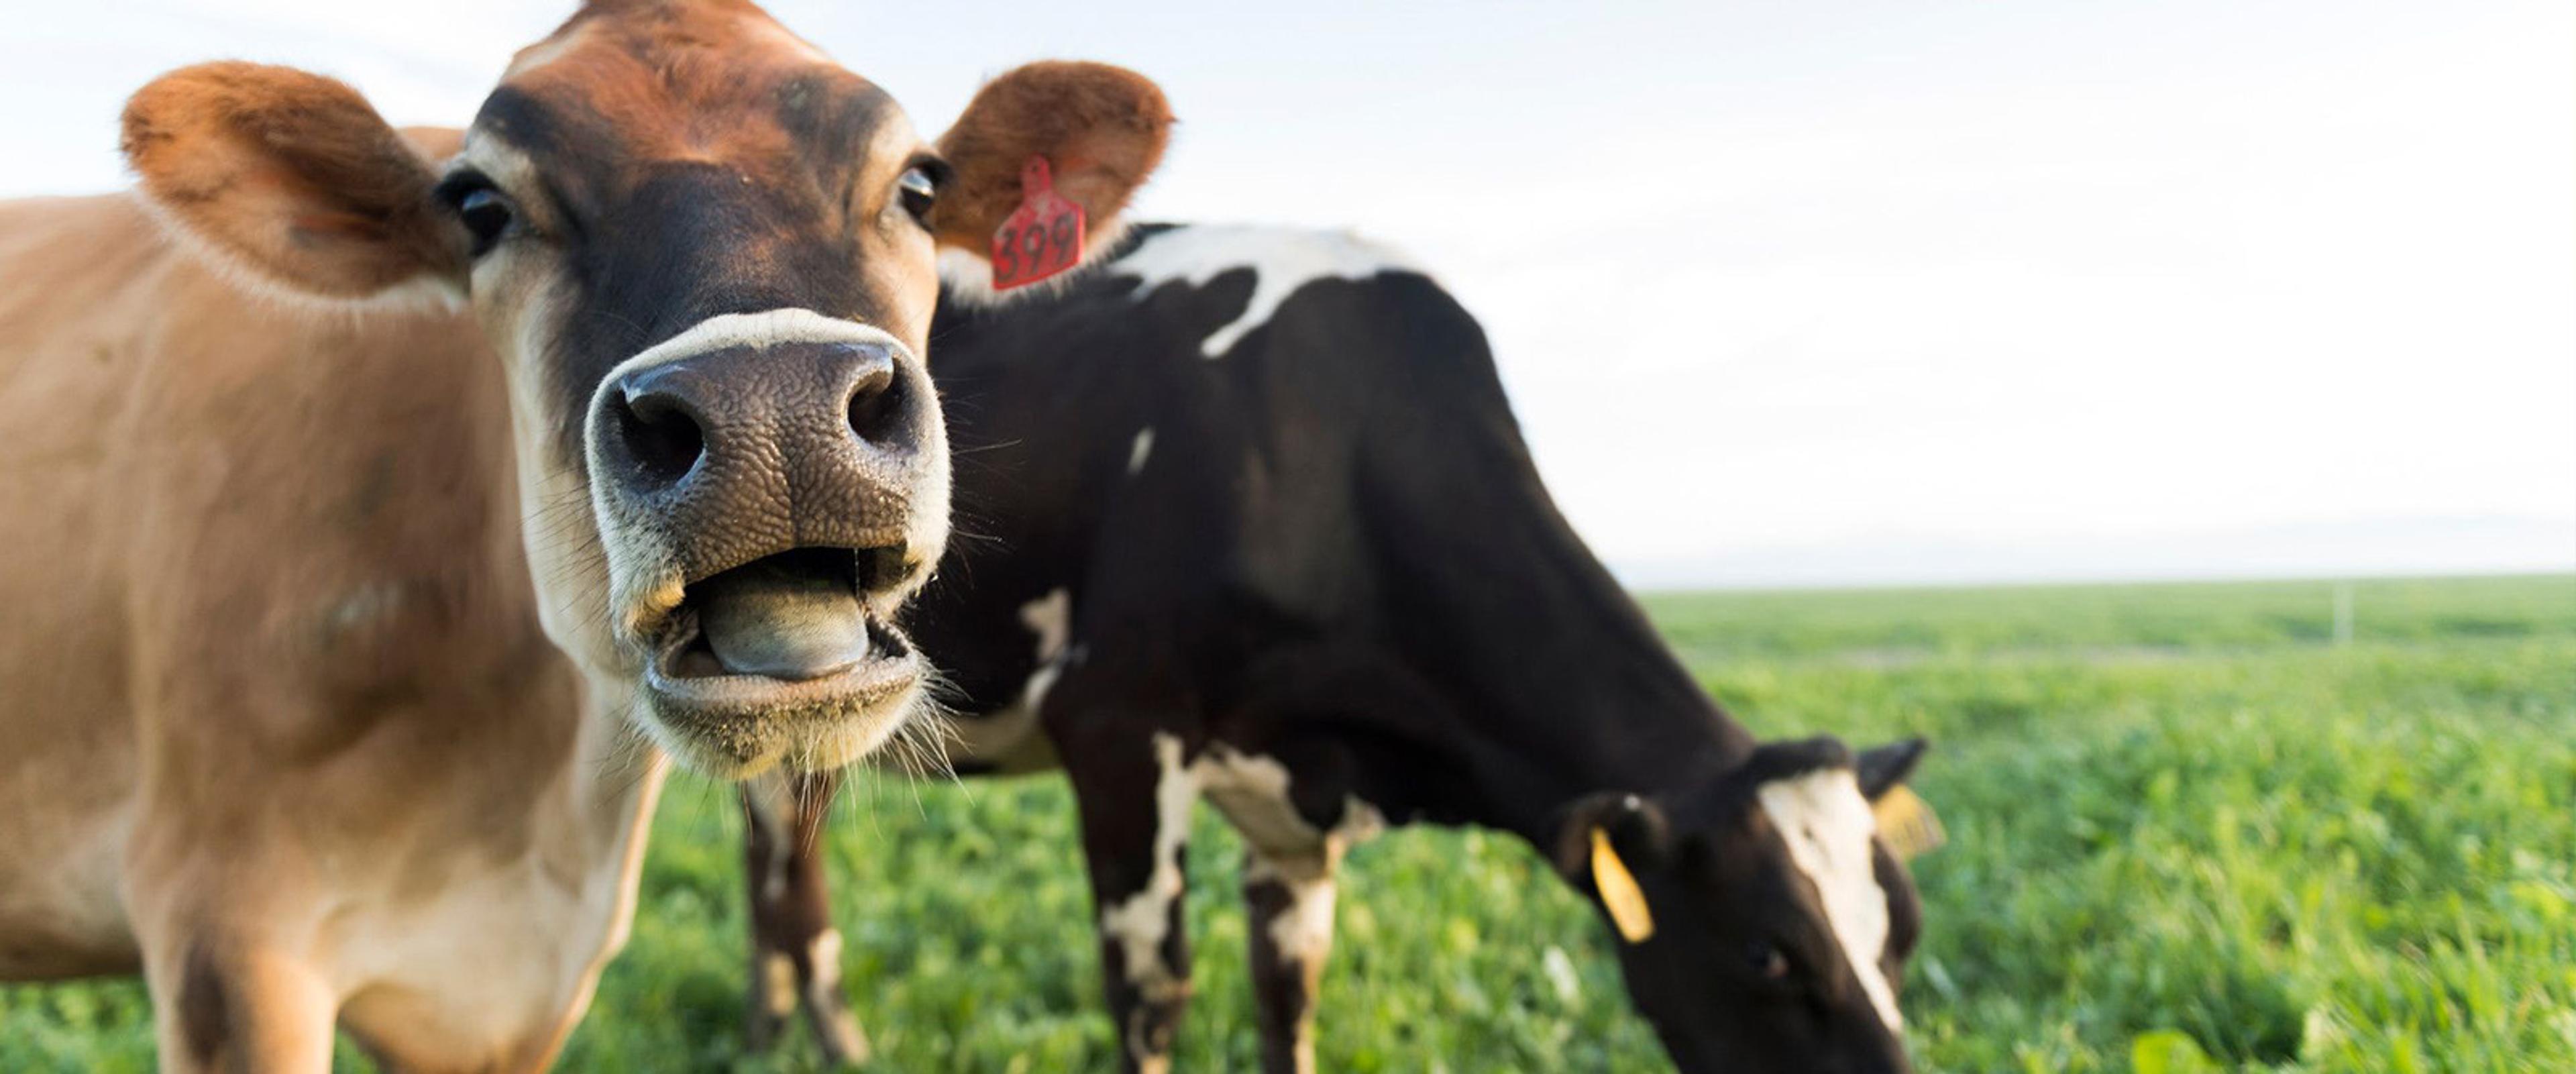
(2184, 819)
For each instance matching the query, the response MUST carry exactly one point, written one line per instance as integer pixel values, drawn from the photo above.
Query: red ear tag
(1043, 237)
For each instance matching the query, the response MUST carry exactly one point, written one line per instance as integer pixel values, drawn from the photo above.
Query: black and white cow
(1258, 526)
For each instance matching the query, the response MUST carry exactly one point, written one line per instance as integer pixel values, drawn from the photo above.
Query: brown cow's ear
(294, 177)
(435, 145)
(1102, 130)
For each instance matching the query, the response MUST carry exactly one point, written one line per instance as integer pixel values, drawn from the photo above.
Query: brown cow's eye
(918, 191)
(1767, 961)
(483, 208)
(486, 215)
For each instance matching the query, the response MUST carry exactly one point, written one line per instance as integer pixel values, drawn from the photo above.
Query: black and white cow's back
(1244, 514)
(1178, 434)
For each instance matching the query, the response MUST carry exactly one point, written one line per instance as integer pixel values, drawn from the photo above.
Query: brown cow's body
(264, 647)
(350, 640)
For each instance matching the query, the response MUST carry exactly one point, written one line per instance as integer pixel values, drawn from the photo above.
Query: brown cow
(338, 651)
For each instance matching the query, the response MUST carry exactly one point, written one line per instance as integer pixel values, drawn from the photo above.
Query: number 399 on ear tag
(1040, 239)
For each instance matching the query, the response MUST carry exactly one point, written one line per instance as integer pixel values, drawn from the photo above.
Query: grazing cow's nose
(746, 452)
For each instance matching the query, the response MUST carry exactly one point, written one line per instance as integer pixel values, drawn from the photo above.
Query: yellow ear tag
(1619, 891)
(1906, 822)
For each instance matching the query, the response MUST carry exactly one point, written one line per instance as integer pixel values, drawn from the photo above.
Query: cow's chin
(778, 662)
(739, 726)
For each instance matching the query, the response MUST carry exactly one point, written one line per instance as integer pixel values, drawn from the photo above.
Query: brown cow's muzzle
(790, 495)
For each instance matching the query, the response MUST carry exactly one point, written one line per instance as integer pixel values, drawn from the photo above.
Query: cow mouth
(781, 659)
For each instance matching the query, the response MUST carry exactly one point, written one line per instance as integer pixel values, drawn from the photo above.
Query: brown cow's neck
(611, 781)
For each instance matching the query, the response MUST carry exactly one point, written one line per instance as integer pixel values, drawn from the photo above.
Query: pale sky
(1798, 293)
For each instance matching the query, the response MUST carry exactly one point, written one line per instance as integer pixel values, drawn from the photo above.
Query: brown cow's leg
(1288, 900)
(1135, 819)
(795, 951)
(222, 1007)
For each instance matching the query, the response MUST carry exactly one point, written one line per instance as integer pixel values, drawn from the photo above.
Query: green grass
(2183, 820)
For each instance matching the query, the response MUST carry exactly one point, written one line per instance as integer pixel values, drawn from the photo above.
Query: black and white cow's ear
(293, 177)
(1101, 130)
(1884, 768)
(1601, 843)
(1634, 827)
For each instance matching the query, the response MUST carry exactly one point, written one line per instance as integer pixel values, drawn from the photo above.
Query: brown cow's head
(705, 253)
(1765, 924)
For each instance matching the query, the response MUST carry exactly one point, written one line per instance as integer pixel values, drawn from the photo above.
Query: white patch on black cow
(823, 992)
(1050, 618)
(1252, 792)
(778, 992)
(1826, 822)
(1139, 449)
(1282, 260)
(1140, 921)
(992, 737)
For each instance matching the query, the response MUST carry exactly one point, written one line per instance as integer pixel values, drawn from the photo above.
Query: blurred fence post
(2343, 613)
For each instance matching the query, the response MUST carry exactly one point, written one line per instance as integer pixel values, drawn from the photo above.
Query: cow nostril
(662, 437)
(876, 407)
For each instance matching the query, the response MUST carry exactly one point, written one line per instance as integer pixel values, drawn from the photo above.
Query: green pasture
(2193, 827)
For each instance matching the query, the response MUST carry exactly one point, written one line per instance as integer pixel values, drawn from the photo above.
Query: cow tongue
(785, 624)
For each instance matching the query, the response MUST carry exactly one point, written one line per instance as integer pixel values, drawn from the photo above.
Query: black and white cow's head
(706, 255)
(1764, 924)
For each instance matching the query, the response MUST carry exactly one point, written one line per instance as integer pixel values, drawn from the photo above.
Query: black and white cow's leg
(795, 951)
(1288, 901)
(1135, 804)
(1295, 805)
